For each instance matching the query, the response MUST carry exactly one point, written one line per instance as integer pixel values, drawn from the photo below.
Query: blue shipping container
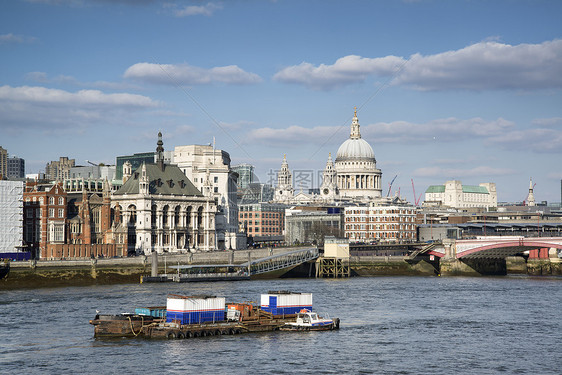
(151, 311)
(195, 317)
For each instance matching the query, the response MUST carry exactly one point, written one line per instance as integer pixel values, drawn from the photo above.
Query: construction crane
(416, 199)
(390, 185)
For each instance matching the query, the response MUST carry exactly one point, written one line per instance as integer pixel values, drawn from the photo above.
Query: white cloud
(291, 136)
(40, 107)
(542, 140)
(346, 70)
(42, 77)
(553, 121)
(197, 10)
(169, 74)
(13, 38)
(449, 130)
(462, 173)
(487, 65)
(83, 98)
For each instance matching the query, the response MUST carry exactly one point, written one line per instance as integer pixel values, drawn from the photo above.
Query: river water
(389, 325)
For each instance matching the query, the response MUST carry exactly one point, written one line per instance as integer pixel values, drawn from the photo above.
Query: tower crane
(416, 199)
(390, 185)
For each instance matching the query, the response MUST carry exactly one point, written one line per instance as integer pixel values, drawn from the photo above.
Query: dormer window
(182, 184)
(170, 183)
(159, 182)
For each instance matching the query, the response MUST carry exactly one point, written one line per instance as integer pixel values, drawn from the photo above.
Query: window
(216, 179)
(51, 212)
(61, 212)
(61, 201)
(57, 232)
(51, 200)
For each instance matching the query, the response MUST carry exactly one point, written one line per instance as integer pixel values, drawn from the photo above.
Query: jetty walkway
(242, 271)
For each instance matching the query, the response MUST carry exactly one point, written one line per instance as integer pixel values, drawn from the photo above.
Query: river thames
(389, 325)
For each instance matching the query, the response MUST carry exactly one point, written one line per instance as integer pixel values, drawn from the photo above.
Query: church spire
(355, 133)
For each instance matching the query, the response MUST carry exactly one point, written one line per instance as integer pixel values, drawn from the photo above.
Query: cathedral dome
(355, 149)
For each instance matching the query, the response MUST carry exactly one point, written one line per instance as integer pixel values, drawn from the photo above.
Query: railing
(281, 261)
(425, 249)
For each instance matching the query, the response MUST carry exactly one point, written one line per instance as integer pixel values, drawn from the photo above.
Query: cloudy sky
(468, 90)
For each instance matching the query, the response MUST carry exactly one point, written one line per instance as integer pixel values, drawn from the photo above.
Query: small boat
(311, 321)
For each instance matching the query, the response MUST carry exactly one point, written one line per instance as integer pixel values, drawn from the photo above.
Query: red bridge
(494, 247)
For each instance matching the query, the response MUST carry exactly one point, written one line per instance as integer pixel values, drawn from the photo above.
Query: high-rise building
(59, 170)
(246, 175)
(3, 163)
(16, 168)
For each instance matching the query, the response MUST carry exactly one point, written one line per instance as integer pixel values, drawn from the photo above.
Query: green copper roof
(170, 181)
(465, 189)
(436, 189)
(474, 189)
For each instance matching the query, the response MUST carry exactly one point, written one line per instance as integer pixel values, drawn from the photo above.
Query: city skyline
(465, 90)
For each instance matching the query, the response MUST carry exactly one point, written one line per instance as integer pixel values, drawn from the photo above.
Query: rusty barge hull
(147, 327)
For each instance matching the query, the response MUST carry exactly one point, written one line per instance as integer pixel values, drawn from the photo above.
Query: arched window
(153, 215)
(177, 216)
(133, 214)
(165, 216)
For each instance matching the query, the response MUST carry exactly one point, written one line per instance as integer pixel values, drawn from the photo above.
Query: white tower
(127, 170)
(329, 189)
(284, 190)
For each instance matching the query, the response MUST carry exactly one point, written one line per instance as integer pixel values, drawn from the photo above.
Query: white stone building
(164, 211)
(456, 195)
(201, 163)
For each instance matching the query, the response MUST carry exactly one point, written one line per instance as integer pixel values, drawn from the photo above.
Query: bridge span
(496, 247)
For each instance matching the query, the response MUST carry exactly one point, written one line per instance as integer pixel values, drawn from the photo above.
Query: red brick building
(44, 212)
(60, 224)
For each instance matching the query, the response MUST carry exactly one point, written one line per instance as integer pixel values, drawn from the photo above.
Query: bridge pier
(472, 267)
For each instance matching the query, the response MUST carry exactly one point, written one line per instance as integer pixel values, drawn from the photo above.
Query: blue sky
(467, 90)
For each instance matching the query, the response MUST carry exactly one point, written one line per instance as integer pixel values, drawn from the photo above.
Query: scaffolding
(11, 216)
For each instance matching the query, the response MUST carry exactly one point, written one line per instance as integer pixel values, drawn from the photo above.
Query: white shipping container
(190, 304)
(293, 299)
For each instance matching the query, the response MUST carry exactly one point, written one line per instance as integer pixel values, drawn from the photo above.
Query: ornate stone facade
(163, 210)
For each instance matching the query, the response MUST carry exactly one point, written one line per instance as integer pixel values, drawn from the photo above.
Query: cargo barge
(199, 316)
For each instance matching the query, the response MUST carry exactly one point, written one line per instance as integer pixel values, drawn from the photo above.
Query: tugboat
(4, 268)
(311, 321)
